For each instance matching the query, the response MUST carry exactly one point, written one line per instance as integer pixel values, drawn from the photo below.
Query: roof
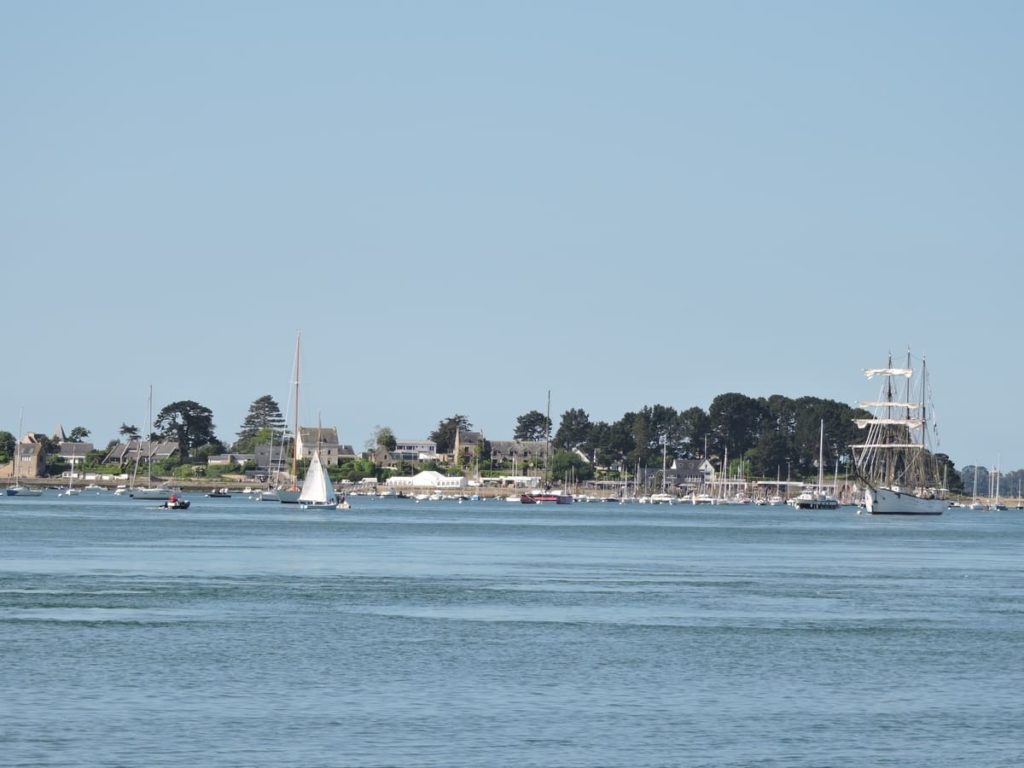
(75, 450)
(123, 452)
(327, 436)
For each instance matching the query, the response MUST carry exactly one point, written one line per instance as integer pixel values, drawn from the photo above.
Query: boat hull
(885, 501)
(154, 494)
(815, 504)
(545, 498)
(21, 490)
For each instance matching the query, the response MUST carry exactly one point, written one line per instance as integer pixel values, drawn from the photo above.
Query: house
(466, 446)
(332, 452)
(141, 450)
(227, 459)
(503, 451)
(29, 458)
(75, 453)
(414, 450)
(691, 473)
(282, 456)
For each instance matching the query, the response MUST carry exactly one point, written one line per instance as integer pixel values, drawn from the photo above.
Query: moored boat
(546, 497)
(317, 488)
(895, 461)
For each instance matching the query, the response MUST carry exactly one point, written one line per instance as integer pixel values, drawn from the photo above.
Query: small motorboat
(175, 503)
(220, 493)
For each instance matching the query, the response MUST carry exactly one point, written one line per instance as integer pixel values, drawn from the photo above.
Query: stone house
(332, 452)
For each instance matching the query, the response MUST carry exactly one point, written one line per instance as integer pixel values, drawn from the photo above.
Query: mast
(295, 419)
(664, 454)
(547, 439)
(821, 458)
(149, 452)
(17, 448)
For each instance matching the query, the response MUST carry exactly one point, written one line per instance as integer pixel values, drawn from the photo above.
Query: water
(491, 634)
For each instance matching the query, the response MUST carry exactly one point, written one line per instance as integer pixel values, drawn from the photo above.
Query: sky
(463, 206)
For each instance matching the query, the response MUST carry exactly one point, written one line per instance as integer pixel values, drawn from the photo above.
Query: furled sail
(872, 372)
(912, 423)
(886, 404)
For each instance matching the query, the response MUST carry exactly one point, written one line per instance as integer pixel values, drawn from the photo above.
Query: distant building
(145, 450)
(414, 450)
(466, 444)
(29, 458)
(332, 452)
(691, 473)
(75, 453)
(282, 456)
(505, 450)
(226, 459)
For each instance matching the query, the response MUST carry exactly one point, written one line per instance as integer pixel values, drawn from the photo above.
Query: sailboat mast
(821, 457)
(295, 419)
(17, 448)
(149, 441)
(547, 439)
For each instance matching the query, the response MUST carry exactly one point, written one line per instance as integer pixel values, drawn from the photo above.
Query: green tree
(532, 425)
(694, 425)
(188, 422)
(444, 435)
(129, 431)
(567, 464)
(736, 422)
(384, 439)
(7, 443)
(574, 429)
(78, 434)
(264, 413)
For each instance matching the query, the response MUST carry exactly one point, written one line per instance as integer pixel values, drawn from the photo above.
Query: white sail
(872, 372)
(912, 423)
(317, 487)
(886, 404)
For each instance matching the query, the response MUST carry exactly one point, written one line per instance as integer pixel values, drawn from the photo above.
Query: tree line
(773, 436)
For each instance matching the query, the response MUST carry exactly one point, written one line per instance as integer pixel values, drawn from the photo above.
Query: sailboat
(162, 492)
(894, 461)
(71, 490)
(317, 488)
(817, 499)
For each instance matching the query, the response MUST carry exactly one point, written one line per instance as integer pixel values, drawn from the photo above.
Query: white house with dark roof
(75, 453)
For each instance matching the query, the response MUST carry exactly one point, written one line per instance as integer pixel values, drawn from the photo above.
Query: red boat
(546, 497)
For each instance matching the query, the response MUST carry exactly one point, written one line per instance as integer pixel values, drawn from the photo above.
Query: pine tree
(264, 413)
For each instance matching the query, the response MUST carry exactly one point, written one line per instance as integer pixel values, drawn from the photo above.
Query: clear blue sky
(463, 205)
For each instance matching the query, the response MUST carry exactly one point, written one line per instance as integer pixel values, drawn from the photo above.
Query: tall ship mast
(895, 462)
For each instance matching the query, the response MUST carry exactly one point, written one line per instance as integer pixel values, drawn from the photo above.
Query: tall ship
(895, 462)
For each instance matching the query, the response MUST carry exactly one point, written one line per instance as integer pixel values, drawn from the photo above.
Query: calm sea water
(241, 633)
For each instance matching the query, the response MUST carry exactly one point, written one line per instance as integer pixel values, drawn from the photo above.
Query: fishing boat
(175, 502)
(895, 461)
